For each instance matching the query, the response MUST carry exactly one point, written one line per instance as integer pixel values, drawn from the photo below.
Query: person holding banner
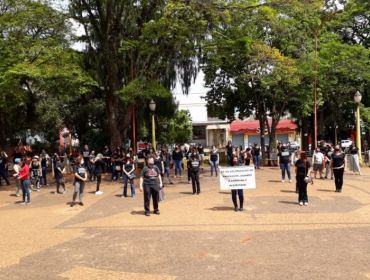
(302, 171)
(238, 192)
(194, 164)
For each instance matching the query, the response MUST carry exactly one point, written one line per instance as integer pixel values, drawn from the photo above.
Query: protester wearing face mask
(151, 184)
(318, 160)
(24, 178)
(194, 164)
(338, 165)
(79, 182)
(284, 160)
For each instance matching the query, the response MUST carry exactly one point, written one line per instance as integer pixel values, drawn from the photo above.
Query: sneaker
(98, 192)
(72, 204)
(157, 212)
(305, 204)
(290, 181)
(22, 203)
(301, 203)
(147, 214)
(241, 209)
(133, 196)
(236, 209)
(28, 202)
(17, 195)
(81, 203)
(283, 181)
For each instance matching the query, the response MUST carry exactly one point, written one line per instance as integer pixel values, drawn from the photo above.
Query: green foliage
(176, 130)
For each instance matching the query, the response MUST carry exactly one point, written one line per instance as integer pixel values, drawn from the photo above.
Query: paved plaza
(195, 237)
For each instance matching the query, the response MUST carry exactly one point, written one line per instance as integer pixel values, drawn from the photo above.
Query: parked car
(294, 145)
(345, 143)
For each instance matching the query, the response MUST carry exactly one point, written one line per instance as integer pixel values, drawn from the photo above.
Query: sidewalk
(195, 237)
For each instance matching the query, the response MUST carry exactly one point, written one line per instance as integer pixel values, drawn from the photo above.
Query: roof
(239, 126)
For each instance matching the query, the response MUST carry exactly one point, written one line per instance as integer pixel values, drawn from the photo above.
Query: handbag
(132, 176)
(161, 195)
(308, 179)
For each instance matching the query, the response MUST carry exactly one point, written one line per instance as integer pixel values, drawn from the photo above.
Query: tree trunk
(113, 119)
(305, 134)
(262, 137)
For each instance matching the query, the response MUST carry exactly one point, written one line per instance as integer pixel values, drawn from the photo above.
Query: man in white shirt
(318, 160)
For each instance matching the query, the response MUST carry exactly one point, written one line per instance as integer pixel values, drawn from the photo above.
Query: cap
(17, 160)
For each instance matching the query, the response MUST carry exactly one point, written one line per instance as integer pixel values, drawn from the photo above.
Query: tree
(177, 129)
(130, 40)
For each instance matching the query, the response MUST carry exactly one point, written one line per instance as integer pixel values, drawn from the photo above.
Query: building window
(199, 132)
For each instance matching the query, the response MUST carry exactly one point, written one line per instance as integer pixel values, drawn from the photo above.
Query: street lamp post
(357, 99)
(152, 106)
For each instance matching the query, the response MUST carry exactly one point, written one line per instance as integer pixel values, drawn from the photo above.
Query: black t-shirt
(229, 150)
(194, 164)
(177, 155)
(200, 150)
(128, 166)
(302, 168)
(338, 160)
(150, 176)
(81, 171)
(256, 151)
(158, 163)
(58, 173)
(354, 151)
(99, 166)
(284, 156)
(214, 156)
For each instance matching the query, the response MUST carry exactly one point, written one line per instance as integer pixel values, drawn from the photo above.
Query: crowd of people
(30, 170)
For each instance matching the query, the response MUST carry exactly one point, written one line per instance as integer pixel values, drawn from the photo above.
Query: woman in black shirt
(128, 176)
(302, 170)
(338, 165)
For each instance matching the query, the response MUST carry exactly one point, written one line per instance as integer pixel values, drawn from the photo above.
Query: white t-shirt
(318, 158)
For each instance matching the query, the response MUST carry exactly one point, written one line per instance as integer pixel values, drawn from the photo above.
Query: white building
(206, 130)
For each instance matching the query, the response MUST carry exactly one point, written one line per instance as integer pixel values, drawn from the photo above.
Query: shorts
(317, 167)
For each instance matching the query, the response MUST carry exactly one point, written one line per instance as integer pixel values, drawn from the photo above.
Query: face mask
(82, 162)
(151, 165)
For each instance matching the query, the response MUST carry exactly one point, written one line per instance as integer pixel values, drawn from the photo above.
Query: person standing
(151, 184)
(338, 166)
(167, 164)
(86, 156)
(129, 176)
(194, 165)
(16, 169)
(229, 153)
(201, 156)
(256, 152)
(214, 159)
(318, 160)
(92, 166)
(24, 178)
(107, 154)
(177, 159)
(44, 167)
(99, 167)
(59, 176)
(3, 163)
(80, 174)
(328, 158)
(302, 170)
(247, 156)
(284, 161)
(237, 192)
(36, 173)
(355, 160)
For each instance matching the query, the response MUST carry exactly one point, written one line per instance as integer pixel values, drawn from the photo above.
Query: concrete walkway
(195, 237)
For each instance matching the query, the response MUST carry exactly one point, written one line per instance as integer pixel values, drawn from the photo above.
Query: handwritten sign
(237, 177)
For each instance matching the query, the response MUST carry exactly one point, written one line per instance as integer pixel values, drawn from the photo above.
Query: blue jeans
(178, 168)
(26, 190)
(125, 182)
(167, 172)
(285, 167)
(44, 181)
(214, 166)
(256, 161)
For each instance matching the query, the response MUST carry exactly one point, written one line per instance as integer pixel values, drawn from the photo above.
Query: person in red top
(24, 178)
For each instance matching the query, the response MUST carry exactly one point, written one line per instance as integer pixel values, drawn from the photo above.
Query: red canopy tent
(254, 126)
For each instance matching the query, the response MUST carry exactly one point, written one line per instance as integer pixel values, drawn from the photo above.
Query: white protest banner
(237, 177)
